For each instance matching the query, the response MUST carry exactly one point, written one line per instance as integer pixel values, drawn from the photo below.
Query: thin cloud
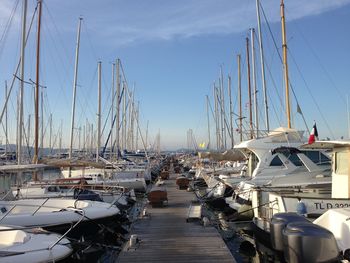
(166, 20)
(124, 22)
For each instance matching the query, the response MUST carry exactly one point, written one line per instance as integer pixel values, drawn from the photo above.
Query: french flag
(313, 134)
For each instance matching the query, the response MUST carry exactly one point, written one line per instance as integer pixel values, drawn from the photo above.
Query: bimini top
(278, 137)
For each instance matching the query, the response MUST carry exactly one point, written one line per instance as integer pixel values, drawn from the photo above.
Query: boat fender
(206, 221)
(133, 240)
(301, 208)
(3, 209)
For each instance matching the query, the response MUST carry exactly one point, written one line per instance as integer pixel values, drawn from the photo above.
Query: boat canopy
(278, 137)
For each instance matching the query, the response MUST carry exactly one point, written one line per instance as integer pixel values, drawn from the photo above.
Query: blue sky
(173, 50)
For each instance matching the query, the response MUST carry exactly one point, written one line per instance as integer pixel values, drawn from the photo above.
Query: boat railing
(80, 212)
(40, 206)
(7, 212)
(116, 199)
(6, 195)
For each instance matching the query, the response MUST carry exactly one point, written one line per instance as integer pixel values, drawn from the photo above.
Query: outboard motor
(278, 223)
(308, 242)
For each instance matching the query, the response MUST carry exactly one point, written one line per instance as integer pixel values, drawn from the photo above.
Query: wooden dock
(165, 236)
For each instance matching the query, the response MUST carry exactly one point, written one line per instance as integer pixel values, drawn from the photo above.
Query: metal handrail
(7, 194)
(47, 199)
(9, 211)
(79, 211)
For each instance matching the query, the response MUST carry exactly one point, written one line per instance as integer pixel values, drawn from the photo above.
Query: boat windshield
(317, 157)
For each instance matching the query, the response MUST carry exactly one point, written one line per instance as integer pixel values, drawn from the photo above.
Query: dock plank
(165, 236)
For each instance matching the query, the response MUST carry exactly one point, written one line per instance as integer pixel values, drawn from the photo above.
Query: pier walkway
(165, 236)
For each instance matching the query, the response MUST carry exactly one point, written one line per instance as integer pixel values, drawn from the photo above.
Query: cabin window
(276, 161)
(342, 163)
(317, 157)
(52, 189)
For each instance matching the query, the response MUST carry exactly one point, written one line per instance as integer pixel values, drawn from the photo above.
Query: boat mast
(208, 120)
(137, 121)
(239, 97)
(347, 102)
(231, 111)
(285, 64)
(50, 134)
(216, 117)
(112, 109)
(75, 87)
(252, 32)
(21, 87)
(6, 128)
(249, 92)
(98, 141)
(117, 137)
(124, 115)
(267, 124)
(146, 140)
(28, 132)
(36, 111)
(42, 118)
(60, 141)
(222, 107)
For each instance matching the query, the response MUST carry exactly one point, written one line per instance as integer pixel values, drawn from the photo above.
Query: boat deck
(166, 236)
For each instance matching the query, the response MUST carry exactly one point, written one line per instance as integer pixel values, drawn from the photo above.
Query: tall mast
(217, 126)
(60, 141)
(222, 103)
(75, 87)
(347, 102)
(146, 140)
(6, 129)
(208, 120)
(117, 137)
(28, 131)
(252, 32)
(285, 64)
(239, 97)
(42, 119)
(249, 91)
(112, 108)
(98, 113)
(79, 138)
(50, 135)
(262, 62)
(125, 88)
(92, 137)
(36, 112)
(231, 111)
(21, 87)
(137, 130)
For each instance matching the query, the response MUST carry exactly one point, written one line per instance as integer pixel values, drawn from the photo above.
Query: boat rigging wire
(312, 97)
(7, 28)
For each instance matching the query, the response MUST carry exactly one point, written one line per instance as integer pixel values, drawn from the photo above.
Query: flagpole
(347, 100)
